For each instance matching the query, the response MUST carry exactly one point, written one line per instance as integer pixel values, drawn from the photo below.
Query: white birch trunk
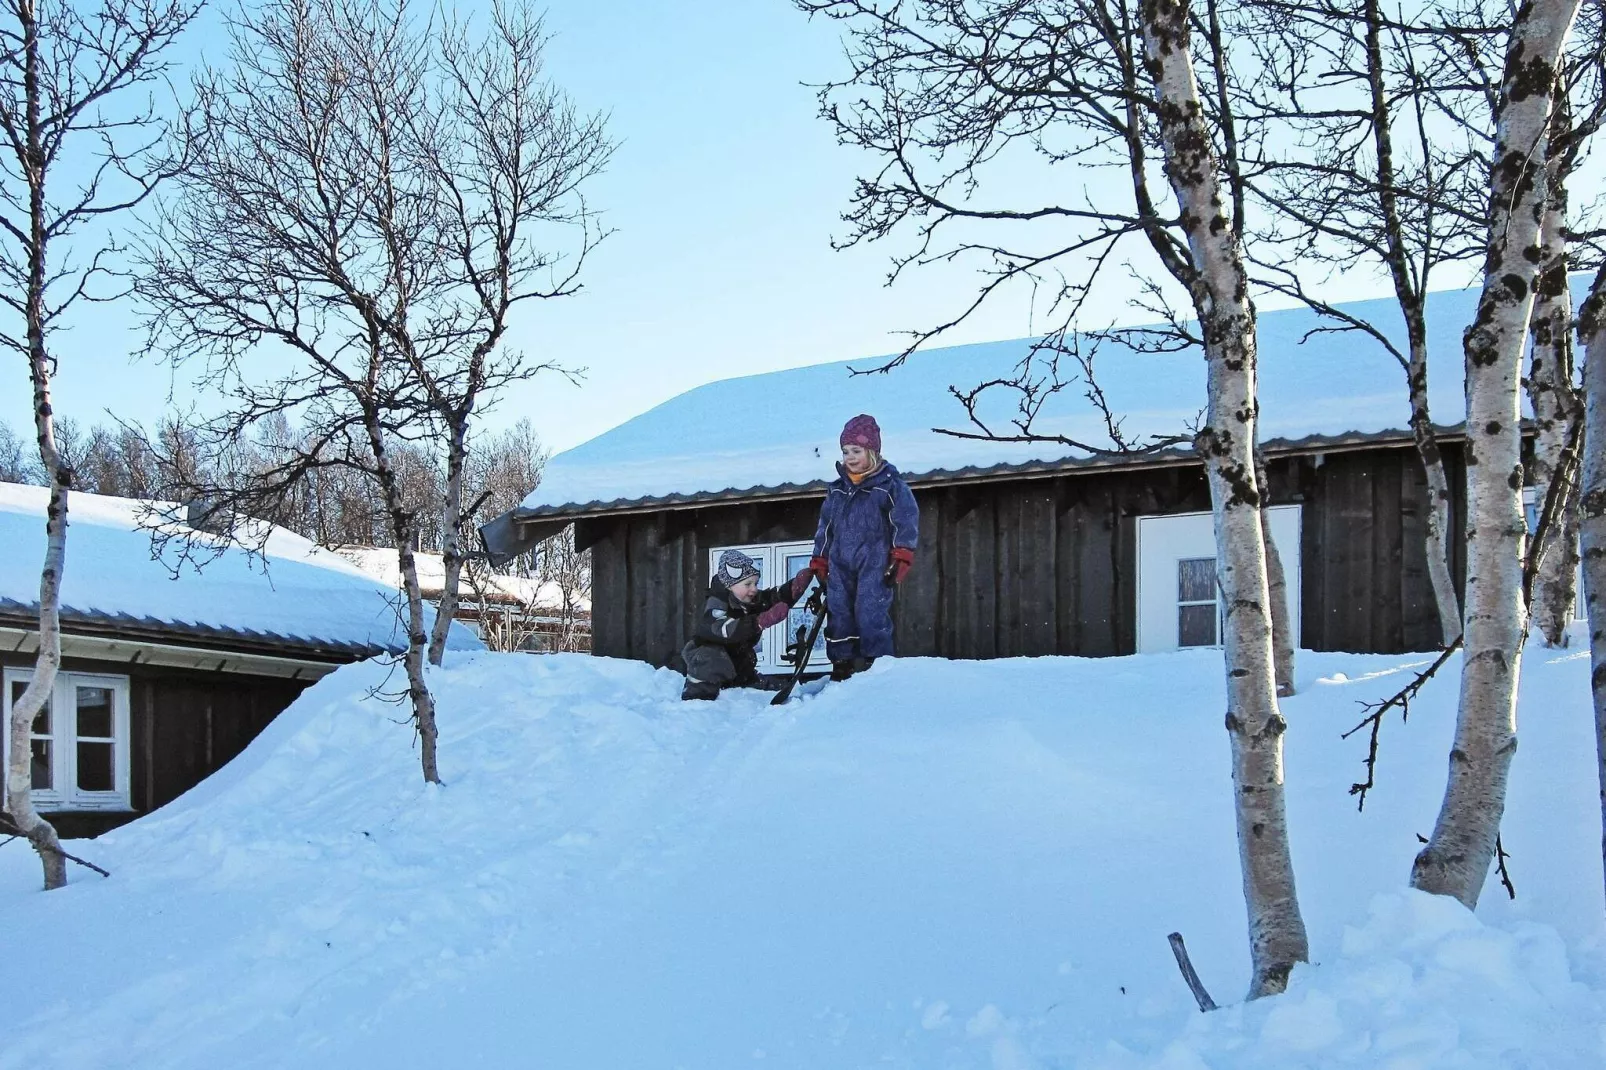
(1226, 443)
(1557, 411)
(1282, 628)
(401, 526)
(1456, 860)
(34, 699)
(19, 772)
(451, 541)
(1592, 525)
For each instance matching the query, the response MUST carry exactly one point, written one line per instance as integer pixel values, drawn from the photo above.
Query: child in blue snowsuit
(864, 547)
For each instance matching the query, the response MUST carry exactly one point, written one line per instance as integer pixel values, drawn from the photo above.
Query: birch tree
(1456, 860)
(300, 233)
(1592, 522)
(511, 160)
(1380, 161)
(939, 91)
(1558, 406)
(78, 148)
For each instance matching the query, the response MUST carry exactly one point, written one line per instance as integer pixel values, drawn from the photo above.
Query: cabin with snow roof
(169, 670)
(1031, 548)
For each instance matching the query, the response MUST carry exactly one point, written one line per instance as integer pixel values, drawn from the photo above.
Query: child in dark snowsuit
(721, 652)
(864, 546)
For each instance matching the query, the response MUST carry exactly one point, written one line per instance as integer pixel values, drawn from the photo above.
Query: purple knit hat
(862, 431)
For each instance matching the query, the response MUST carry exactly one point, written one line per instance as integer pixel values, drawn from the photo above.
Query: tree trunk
(1220, 293)
(1456, 860)
(34, 699)
(451, 540)
(401, 527)
(1407, 293)
(19, 773)
(1557, 410)
(1592, 526)
(1282, 628)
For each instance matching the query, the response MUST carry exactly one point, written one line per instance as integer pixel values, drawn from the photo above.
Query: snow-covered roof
(294, 594)
(778, 431)
(500, 587)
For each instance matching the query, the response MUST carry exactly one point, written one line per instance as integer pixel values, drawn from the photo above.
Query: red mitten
(820, 567)
(773, 616)
(800, 583)
(903, 559)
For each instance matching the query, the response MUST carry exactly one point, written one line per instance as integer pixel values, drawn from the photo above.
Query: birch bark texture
(1456, 860)
(1592, 513)
(1557, 406)
(1220, 294)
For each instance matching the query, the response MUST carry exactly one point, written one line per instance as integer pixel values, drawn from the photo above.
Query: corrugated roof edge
(1307, 444)
(230, 639)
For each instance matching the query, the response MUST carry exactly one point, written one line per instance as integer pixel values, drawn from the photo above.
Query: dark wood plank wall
(1046, 566)
(1365, 576)
(183, 725)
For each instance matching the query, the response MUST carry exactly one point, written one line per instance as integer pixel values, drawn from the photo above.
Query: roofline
(1169, 458)
(15, 616)
(136, 652)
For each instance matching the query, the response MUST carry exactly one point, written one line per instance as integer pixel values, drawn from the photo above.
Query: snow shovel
(816, 603)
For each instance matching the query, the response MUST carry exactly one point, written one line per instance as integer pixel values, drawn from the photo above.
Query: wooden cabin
(1028, 548)
(169, 669)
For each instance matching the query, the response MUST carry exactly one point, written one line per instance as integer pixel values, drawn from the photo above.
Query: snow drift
(937, 865)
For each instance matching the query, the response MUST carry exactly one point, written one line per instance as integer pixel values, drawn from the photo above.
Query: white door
(1179, 603)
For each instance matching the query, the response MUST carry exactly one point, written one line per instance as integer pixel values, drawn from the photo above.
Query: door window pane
(43, 779)
(1196, 580)
(94, 713)
(41, 722)
(1196, 625)
(95, 767)
(799, 621)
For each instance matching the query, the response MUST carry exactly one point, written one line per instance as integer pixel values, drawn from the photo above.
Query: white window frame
(771, 558)
(1530, 515)
(1164, 540)
(65, 795)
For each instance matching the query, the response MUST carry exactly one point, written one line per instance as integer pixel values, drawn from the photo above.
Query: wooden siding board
(610, 607)
(918, 611)
(1387, 608)
(1096, 570)
(1038, 541)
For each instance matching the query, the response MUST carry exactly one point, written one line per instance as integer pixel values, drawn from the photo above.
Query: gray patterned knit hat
(735, 566)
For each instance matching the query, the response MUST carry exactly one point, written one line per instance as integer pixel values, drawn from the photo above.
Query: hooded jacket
(861, 522)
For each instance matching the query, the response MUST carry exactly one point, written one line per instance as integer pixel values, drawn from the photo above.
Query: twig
(1376, 712)
(1191, 976)
(8, 825)
(1500, 867)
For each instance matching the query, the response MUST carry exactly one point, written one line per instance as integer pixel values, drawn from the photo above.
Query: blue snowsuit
(859, 526)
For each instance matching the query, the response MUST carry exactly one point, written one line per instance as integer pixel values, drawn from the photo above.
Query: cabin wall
(1046, 566)
(184, 726)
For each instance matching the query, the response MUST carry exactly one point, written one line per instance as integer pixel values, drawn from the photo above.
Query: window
(778, 562)
(79, 741)
(1196, 602)
(1178, 597)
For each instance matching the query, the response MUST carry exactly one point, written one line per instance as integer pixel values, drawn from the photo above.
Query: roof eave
(558, 516)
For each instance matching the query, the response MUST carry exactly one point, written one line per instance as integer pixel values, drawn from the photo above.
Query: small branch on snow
(7, 825)
(1376, 712)
(1185, 964)
(1500, 867)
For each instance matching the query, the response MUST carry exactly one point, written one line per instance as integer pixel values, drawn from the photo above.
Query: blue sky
(724, 195)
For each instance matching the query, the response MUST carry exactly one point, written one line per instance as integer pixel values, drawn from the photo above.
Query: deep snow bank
(937, 865)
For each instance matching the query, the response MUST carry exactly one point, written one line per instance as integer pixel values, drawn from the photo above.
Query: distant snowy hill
(938, 865)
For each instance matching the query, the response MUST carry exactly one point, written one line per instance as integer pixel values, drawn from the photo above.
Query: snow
(941, 865)
(780, 428)
(382, 565)
(292, 591)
